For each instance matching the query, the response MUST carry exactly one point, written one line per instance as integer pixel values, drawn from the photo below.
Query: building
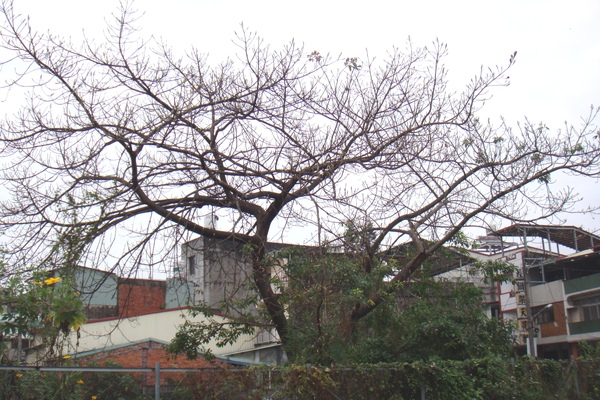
(220, 273)
(219, 269)
(553, 295)
(121, 311)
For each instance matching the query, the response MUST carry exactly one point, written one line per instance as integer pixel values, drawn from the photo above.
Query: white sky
(556, 77)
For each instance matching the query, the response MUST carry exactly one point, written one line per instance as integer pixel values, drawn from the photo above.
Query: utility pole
(531, 348)
(526, 290)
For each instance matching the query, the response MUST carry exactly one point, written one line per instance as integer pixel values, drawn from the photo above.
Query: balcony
(582, 284)
(577, 328)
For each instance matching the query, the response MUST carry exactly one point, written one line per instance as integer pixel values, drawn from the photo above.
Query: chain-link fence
(471, 379)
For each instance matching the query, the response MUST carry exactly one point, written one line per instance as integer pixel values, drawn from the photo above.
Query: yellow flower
(52, 281)
(94, 397)
(37, 283)
(80, 382)
(19, 374)
(66, 357)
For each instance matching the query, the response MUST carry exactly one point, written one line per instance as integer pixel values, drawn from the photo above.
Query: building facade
(553, 295)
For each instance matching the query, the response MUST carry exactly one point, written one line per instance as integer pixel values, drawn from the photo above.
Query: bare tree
(151, 142)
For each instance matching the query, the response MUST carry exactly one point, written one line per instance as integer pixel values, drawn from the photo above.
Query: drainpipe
(499, 296)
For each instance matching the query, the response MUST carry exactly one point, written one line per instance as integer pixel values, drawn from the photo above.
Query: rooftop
(569, 236)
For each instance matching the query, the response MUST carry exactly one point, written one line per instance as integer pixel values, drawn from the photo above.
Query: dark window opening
(495, 311)
(192, 265)
(545, 316)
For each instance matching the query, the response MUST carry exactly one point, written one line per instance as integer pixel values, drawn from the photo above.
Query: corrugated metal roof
(569, 236)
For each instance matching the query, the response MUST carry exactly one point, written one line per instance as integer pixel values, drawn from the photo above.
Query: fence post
(157, 381)
(576, 379)
(422, 392)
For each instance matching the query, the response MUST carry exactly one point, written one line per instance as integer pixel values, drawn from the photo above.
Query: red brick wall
(140, 296)
(146, 355)
(559, 326)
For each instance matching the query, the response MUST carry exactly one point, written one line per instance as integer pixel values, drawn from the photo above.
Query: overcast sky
(556, 77)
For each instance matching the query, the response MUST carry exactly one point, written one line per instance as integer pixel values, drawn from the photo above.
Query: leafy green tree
(435, 320)
(42, 303)
(42, 308)
(423, 319)
(320, 287)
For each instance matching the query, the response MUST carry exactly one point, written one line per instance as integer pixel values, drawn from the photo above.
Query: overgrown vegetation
(42, 309)
(25, 385)
(433, 321)
(489, 378)
(41, 304)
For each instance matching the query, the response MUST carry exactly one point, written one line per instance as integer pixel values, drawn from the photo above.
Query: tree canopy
(137, 139)
(420, 320)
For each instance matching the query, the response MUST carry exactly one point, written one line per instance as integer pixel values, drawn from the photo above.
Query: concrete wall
(97, 287)
(99, 292)
(193, 248)
(548, 293)
(180, 293)
(221, 270)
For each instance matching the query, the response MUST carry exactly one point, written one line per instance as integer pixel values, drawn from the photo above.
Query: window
(265, 337)
(192, 265)
(25, 343)
(495, 311)
(545, 316)
(590, 307)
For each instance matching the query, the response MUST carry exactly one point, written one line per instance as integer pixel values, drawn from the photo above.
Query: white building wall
(162, 326)
(194, 248)
(548, 293)
(508, 301)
